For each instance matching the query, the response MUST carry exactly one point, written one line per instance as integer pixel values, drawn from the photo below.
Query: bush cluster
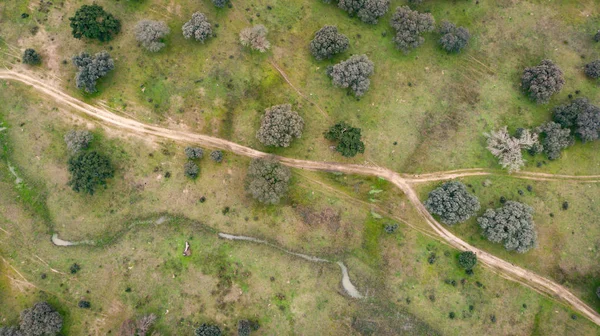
(542, 81)
(409, 26)
(91, 68)
(328, 43)
(31, 57)
(581, 116)
(467, 260)
(353, 73)
(348, 139)
(454, 38)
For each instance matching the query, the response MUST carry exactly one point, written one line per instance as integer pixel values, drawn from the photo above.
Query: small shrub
(216, 156)
(151, 33)
(31, 57)
(328, 43)
(207, 330)
(193, 153)
(467, 260)
(74, 268)
(198, 27)
(220, 3)
(348, 139)
(592, 69)
(191, 169)
(279, 126)
(391, 228)
(542, 81)
(454, 38)
(597, 36)
(88, 170)
(84, 304)
(451, 315)
(353, 73)
(565, 205)
(255, 38)
(93, 22)
(78, 140)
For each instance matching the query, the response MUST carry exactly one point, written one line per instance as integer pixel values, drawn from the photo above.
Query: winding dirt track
(504, 268)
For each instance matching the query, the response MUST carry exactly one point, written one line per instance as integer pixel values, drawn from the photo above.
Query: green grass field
(425, 111)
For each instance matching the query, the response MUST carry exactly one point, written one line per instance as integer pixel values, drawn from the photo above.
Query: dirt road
(504, 268)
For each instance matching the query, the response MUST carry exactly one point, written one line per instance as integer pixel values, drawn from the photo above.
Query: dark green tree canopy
(328, 42)
(267, 180)
(348, 139)
(90, 69)
(511, 225)
(467, 260)
(41, 320)
(542, 81)
(93, 22)
(88, 170)
(452, 202)
(592, 69)
(454, 38)
(582, 116)
(409, 26)
(220, 3)
(353, 73)
(554, 139)
(279, 126)
(31, 57)
(208, 330)
(244, 328)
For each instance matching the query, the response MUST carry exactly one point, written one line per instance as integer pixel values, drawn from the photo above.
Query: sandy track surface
(502, 267)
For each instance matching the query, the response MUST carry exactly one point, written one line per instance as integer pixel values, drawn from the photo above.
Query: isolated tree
(88, 170)
(255, 38)
(10, 331)
(198, 27)
(78, 140)
(40, 320)
(467, 260)
(267, 180)
(554, 139)
(90, 69)
(279, 126)
(454, 38)
(191, 169)
(511, 225)
(93, 22)
(348, 139)
(328, 42)
(208, 330)
(193, 153)
(353, 73)
(151, 33)
(220, 3)
(84, 304)
(244, 328)
(592, 69)
(216, 155)
(508, 148)
(452, 202)
(542, 81)
(31, 57)
(409, 26)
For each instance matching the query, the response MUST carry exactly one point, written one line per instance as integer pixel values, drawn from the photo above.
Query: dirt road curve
(504, 268)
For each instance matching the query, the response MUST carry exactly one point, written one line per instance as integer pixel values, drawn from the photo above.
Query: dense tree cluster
(279, 126)
(255, 38)
(91, 68)
(554, 139)
(198, 27)
(78, 140)
(467, 260)
(580, 115)
(328, 42)
(348, 139)
(207, 330)
(151, 33)
(216, 155)
(220, 3)
(31, 57)
(353, 73)
(93, 22)
(452, 202)
(193, 153)
(267, 180)
(542, 81)
(40, 320)
(88, 170)
(454, 38)
(511, 225)
(508, 148)
(369, 11)
(592, 69)
(191, 169)
(409, 26)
